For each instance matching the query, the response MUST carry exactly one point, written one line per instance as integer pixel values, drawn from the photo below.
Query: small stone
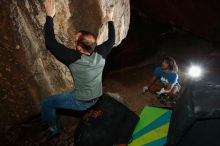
(4, 97)
(4, 78)
(17, 47)
(6, 37)
(8, 69)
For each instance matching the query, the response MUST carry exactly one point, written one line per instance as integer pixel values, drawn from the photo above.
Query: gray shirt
(86, 70)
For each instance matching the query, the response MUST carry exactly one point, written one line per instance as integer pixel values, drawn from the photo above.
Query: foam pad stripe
(165, 118)
(151, 136)
(159, 142)
(147, 116)
(152, 128)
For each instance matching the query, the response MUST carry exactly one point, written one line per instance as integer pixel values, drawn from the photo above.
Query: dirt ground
(126, 86)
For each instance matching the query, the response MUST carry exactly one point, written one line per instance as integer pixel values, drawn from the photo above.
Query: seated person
(167, 73)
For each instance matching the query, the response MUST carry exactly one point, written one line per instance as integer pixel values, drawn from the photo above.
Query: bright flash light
(195, 71)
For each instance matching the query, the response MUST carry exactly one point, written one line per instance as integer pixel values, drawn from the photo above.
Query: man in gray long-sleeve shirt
(86, 63)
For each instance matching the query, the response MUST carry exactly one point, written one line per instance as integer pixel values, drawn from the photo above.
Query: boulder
(28, 70)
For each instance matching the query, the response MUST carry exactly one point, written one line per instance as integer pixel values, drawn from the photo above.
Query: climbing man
(86, 63)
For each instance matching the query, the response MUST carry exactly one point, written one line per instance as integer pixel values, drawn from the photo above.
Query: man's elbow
(49, 44)
(50, 41)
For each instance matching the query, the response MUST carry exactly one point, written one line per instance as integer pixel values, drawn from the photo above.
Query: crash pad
(152, 128)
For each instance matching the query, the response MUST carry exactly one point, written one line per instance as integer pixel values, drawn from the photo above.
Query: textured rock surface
(27, 70)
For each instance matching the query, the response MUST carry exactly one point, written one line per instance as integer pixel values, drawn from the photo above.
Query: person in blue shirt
(167, 73)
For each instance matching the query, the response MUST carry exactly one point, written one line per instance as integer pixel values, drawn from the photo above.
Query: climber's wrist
(110, 13)
(50, 8)
(50, 17)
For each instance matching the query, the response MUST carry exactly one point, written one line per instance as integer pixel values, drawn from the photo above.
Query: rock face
(29, 71)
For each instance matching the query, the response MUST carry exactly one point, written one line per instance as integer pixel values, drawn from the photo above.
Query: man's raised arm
(105, 48)
(62, 53)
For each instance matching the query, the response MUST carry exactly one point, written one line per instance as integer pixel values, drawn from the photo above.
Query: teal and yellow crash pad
(152, 128)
